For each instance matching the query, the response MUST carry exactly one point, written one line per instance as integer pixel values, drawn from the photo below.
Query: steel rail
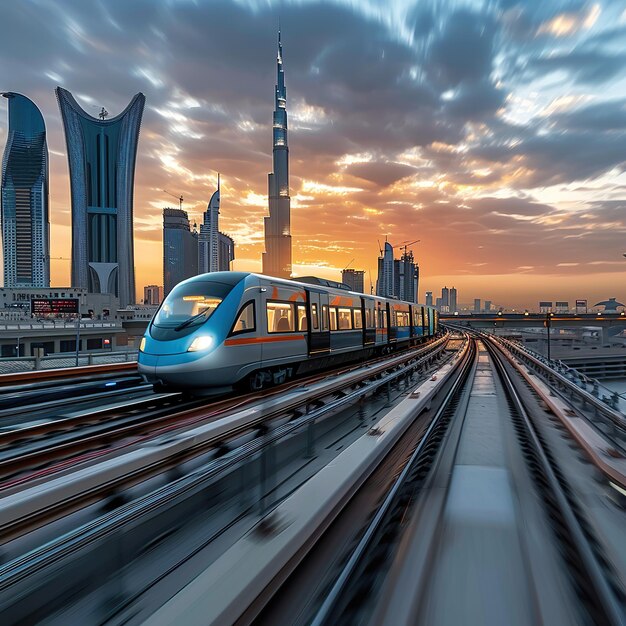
(61, 372)
(135, 424)
(591, 580)
(69, 544)
(196, 446)
(612, 418)
(329, 611)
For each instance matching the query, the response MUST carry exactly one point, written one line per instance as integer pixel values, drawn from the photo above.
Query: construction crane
(407, 244)
(347, 266)
(179, 198)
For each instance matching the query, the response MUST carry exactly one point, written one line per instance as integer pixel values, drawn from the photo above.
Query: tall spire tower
(277, 255)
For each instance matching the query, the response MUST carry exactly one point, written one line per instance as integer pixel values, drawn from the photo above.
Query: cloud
(444, 122)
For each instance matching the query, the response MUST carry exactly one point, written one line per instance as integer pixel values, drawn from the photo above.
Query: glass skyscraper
(180, 249)
(24, 197)
(101, 154)
(277, 255)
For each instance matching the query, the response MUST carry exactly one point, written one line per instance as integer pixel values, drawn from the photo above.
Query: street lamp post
(548, 324)
(77, 338)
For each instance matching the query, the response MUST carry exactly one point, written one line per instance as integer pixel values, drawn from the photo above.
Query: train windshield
(190, 304)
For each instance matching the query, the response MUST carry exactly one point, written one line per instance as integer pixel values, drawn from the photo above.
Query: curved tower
(24, 197)
(277, 255)
(208, 240)
(101, 154)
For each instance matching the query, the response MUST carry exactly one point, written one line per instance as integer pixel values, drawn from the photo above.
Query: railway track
(290, 415)
(46, 447)
(432, 535)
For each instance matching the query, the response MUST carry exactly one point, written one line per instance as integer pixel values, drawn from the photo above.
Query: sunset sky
(493, 131)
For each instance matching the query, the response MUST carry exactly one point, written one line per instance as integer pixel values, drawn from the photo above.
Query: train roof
(234, 278)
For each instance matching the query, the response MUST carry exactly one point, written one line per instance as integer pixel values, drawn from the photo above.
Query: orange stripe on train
(251, 340)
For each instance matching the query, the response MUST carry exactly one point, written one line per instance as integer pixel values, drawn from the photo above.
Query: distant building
(355, 279)
(453, 300)
(24, 197)
(445, 300)
(180, 249)
(397, 278)
(429, 298)
(277, 255)
(438, 304)
(487, 306)
(476, 305)
(152, 294)
(610, 305)
(581, 306)
(55, 303)
(101, 154)
(545, 306)
(406, 278)
(216, 250)
(385, 282)
(226, 252)
(562, 307)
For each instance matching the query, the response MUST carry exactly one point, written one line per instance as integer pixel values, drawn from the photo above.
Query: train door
(411, 322)
(319, 332)
(369, 324)
(392, 330)
(381, 324)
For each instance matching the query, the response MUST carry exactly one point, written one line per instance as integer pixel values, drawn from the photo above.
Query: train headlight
(203, 342)
(142, 344)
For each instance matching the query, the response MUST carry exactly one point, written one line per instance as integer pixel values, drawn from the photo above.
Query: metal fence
(12, 365)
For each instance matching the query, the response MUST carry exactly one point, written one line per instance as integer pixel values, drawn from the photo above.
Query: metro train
(216, 330)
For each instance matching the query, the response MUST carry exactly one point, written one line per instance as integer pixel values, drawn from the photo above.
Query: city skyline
(505, 157)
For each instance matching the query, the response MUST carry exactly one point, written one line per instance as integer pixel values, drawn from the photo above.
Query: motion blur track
(383, 576)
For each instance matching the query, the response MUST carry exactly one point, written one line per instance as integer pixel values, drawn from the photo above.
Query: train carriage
(216, 330)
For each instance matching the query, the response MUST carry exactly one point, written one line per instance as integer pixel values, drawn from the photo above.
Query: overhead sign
(52, 306)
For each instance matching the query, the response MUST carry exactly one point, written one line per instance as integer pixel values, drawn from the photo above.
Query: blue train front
(216, 330)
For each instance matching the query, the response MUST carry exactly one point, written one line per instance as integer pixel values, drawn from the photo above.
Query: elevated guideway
(468, 468)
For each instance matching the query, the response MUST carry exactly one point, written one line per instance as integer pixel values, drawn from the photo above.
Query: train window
(402, 318)
(280, 317)
(190, 304)
(333, 318)
(344, 319)
(358, 318)
(384, 321)
(324, 317)
(245, 320)
(314, 320)
(302, 321)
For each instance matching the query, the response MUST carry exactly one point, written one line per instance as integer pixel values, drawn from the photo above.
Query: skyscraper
(385, 281)
(277, 255)
(180, 249)
(445, 300)
(152, 294)
(453, 300)
(355, 279)
(429, 298)
(406, 277)
(476, 305)
(24, 197)
(216, 250)
(101, 154)
(226, 252)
